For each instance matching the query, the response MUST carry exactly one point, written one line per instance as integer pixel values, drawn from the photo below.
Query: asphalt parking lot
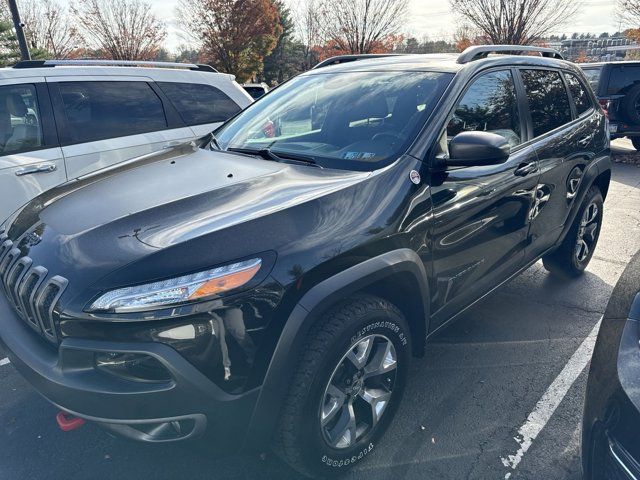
(499, 394)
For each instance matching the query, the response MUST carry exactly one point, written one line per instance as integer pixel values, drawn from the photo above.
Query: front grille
(32, 294)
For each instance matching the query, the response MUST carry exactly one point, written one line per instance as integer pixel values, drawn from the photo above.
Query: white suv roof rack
(112, 63)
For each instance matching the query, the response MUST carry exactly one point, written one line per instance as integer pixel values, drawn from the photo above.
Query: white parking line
(548, 403)
(4, 361)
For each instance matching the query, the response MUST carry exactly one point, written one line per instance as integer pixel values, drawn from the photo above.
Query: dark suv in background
(271, 287)
(617, 86)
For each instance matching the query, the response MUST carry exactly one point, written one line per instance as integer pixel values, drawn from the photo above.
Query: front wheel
(575, 251)
(348, 383)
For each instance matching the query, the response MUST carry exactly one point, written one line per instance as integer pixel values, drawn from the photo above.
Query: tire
(631, 105)
(327, 388)
(570, 258)
(636, 143)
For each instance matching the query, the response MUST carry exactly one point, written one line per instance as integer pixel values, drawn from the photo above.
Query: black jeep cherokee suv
(271, 287)
(617, 86)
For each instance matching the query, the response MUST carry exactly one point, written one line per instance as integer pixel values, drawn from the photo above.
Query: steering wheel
(391, 135)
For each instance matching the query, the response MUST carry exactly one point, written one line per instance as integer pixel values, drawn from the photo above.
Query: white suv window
(99, 110)
(20, 128)
(199, 103)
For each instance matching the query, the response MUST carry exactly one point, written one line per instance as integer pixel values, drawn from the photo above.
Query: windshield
(354, 120)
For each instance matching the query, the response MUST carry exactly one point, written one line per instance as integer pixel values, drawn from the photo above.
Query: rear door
(564, 135)
(103, 121)
(30, 158)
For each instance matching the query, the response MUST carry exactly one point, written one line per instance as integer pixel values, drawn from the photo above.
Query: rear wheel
(636, 143)
(348, 384)
(575, 251)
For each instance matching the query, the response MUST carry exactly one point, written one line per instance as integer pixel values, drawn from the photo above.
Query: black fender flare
(593, 171)
(305, 313)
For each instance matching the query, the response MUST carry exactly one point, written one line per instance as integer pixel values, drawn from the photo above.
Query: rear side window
(99, 110)
(621, 78)
(489, 105)
(20, 121)
(579, 93)
(548, 100)
(199, 103)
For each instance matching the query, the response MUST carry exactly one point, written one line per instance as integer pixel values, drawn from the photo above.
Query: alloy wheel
(587, 233)
(359, 391)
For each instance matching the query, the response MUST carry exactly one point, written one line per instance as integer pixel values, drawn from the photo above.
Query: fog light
(132, 366)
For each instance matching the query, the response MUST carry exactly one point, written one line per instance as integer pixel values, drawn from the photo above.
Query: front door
(482, 213)
(30, 158)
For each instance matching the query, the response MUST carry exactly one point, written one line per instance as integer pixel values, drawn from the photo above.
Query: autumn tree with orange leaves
(235, 35)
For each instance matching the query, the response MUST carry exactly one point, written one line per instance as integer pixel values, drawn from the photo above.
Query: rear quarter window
(622, 78)
(199, 103)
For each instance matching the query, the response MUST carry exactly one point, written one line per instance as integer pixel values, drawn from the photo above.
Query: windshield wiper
(268, 154)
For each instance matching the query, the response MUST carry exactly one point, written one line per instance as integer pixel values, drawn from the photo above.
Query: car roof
(157, 74)
(442, 62)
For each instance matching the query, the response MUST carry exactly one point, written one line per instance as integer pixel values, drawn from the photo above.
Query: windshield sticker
(358, 155)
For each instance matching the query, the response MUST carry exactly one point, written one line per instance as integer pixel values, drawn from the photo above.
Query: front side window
(349, 120)
(489, 105)
(581, 98)
(548, 100)
(199, 103)
(99, 110)
(20, 121)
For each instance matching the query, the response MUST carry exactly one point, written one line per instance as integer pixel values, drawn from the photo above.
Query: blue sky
(429, 17)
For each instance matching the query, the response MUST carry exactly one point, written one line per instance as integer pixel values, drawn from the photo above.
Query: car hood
(101, 222)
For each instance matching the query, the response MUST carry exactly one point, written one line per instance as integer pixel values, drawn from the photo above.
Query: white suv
(62, 119)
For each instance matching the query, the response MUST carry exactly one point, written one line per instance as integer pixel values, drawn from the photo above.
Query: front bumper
(184, 407)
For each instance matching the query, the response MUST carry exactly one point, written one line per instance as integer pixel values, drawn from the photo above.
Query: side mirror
(468, 149)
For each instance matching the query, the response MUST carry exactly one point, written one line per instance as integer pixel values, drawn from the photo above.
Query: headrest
(370, 106)
(16, 105)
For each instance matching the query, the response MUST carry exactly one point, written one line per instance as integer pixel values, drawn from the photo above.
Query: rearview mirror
(468, 149)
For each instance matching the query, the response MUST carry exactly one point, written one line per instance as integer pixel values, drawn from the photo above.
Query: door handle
(525, 169)
(44, 168)
(583, 142)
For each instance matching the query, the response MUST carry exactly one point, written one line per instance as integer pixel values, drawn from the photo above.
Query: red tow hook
(68, 422)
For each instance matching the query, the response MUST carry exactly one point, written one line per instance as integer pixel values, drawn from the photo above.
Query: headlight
(178, 290)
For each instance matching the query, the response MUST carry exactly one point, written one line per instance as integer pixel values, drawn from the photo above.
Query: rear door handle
(44, 168)
(525, 169)
(583, 142)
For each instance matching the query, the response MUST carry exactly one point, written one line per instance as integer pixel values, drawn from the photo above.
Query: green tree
(287, 58)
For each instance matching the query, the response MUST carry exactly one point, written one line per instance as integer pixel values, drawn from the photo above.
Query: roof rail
(482, 51)
(352, 58)
(112, 63)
